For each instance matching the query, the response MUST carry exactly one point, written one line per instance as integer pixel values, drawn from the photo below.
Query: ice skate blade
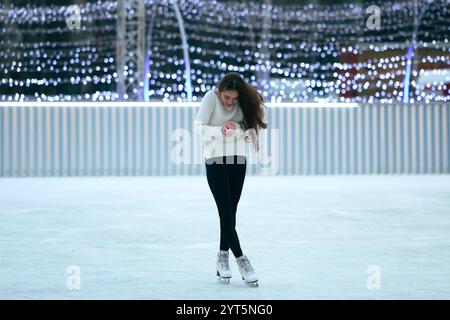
(251, 284)
(225, 280)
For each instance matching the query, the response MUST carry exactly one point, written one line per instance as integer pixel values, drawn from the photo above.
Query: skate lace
(223, 261)
(246, 266)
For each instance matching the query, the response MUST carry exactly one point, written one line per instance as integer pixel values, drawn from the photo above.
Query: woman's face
(229, 97)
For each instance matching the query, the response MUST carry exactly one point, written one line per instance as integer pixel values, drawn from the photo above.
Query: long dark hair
(250, 101)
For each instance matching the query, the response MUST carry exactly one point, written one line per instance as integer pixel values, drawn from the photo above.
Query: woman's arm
(204, 115)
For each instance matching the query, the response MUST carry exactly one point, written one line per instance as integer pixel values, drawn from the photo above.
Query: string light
(313, 52)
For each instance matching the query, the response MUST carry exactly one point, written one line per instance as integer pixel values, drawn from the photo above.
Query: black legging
(225, 179)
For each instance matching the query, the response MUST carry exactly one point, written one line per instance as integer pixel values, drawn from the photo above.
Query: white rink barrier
(156, 138)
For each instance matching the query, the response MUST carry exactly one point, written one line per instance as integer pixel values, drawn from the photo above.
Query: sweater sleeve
(203, 116)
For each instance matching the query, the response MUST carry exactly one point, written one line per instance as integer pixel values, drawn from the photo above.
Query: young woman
(230, 115)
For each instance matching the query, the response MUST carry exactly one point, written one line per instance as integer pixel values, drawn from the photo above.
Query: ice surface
(308, 237)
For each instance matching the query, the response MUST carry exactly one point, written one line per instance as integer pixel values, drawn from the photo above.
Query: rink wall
(134, 139)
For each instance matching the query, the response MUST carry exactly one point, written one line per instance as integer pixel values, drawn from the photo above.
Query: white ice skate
(247, 272)
(223, 268)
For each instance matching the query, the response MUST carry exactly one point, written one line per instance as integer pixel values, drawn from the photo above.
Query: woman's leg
(236, 177)
(219, 183)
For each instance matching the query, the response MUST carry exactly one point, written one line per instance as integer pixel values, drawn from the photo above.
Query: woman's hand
(230, 125)
(228, 128)
(227, 132)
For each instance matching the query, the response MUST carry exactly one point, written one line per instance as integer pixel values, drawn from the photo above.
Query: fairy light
(337, 59)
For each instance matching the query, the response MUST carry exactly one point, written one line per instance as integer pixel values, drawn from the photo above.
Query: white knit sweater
(211, 117)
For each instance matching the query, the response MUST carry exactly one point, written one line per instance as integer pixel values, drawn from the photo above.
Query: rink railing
(133, 139)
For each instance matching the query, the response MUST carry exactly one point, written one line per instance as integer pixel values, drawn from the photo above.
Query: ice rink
(308, 237)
